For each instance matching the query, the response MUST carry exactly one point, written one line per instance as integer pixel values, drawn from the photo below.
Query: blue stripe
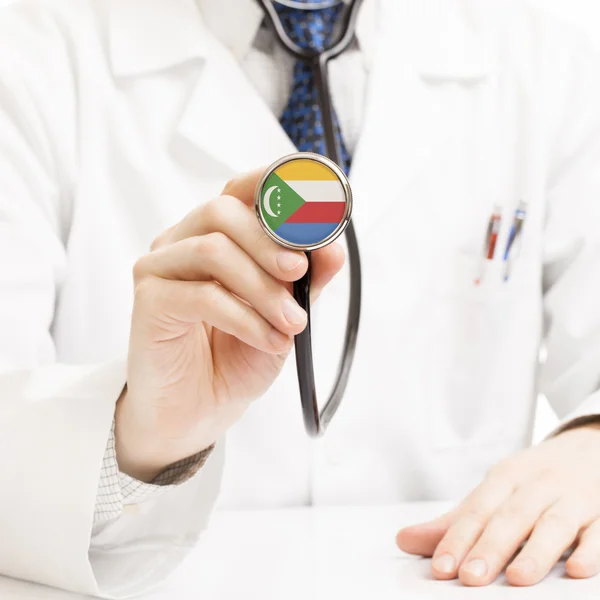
(305, 233)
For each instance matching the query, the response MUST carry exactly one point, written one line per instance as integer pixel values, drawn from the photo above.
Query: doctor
(121, 122)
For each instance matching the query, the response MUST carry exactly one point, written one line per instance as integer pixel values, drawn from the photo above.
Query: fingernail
(524, 565)
(478, 568)
(278, 340)
(288, 261)
(445, 564)
(292, 312)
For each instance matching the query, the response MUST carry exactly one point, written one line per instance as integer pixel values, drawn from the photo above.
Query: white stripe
(319, 191)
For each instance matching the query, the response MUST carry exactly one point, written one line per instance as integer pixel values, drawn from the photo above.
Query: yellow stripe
(303, 169)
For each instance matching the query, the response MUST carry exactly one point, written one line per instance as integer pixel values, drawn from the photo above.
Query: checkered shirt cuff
(116, 489)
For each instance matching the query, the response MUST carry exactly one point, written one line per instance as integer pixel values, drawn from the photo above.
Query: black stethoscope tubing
(316, 421)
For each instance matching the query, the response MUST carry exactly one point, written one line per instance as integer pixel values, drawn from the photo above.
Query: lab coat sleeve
(117, 489)
(55, 419)
(570, 377)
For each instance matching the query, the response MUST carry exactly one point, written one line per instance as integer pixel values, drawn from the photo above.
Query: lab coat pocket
(470, 331)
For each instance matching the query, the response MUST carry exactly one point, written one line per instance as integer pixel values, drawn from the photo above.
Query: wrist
(142, 450)
(129, 444)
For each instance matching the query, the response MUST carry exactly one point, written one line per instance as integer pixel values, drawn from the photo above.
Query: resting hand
(213, 322)
(547, 496)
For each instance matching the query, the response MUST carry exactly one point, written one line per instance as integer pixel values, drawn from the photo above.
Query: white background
(584, 14)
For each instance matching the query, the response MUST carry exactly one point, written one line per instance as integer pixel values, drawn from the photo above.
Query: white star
(278, 190)
(278, 197)
(278, 212)
(278, 205)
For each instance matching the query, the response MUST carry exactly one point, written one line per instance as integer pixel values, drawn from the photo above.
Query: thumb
(423, 538)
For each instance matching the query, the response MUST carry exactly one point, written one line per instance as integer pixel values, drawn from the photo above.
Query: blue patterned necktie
(302, 121)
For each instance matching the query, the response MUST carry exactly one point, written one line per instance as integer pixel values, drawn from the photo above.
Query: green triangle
(283, 201)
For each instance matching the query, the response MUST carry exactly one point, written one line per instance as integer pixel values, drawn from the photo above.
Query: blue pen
(512, 247)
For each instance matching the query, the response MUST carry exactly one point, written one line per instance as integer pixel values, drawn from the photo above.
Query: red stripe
(319, 212)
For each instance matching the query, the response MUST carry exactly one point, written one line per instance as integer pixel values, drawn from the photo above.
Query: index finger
(243, 186)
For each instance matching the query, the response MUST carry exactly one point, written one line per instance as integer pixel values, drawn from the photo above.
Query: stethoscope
(315, 419)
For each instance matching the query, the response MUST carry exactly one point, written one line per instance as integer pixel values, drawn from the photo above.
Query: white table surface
(318, 554)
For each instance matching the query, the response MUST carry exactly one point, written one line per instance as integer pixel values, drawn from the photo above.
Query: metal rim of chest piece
(340, 176)
(316, 5)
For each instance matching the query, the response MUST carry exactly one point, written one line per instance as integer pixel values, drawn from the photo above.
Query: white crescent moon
(267, 199)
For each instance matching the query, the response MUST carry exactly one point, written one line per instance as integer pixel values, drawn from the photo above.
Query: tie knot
(311, 29)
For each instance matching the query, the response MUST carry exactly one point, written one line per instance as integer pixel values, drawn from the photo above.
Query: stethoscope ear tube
(316, 420)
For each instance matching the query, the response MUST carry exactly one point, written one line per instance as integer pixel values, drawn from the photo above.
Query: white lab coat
(118, 117)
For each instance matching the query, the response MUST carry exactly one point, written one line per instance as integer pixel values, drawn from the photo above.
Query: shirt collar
(236, 23)
(157, 34)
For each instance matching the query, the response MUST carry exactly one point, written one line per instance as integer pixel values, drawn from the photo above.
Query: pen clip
(512, 244)
(489, 248)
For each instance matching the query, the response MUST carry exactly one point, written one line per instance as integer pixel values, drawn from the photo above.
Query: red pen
(491, 239)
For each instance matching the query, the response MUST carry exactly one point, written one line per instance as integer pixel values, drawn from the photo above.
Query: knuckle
(245, 317)
(196, 245)
(211, 213)
(214, 243)
(212, 293)
(507, 514)
(208, 246)
(475, 515)
(557, 519)
(147, 292)
(238, 313)
(141, 268)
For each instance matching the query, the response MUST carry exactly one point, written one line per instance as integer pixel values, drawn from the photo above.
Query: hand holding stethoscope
(285, 178)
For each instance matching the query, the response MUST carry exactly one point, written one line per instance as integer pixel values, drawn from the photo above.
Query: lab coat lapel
(410, 117)
(226, 119)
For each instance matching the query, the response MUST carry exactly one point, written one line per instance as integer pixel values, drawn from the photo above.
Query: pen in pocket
(491, 238)
(513, 243)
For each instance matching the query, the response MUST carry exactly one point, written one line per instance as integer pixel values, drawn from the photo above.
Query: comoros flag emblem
(304, 201)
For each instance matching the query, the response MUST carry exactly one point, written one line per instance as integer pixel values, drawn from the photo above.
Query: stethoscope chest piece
(303, 201)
